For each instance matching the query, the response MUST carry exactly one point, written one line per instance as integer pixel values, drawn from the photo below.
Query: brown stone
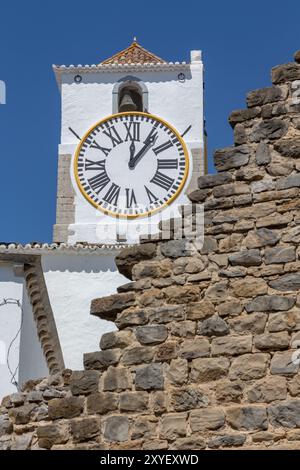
(206, 419)
(249, 286)
(247, 417)
(133, 401)
(116, 379)
(231, 345)
(199, 310)
(173, 426)
(252, 323)
(177, 373)
(268, 390)
(128, 257)
(188, 398)
(209, 369)
(229, 391)
(85, 429)
(107, 308)
(192, 348)
(51, 434)
(249, 366)
(102, 403)
(101, 360)
(69, 407)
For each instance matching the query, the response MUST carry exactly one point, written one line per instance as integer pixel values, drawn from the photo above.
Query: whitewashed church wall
(32, 361)
(11, 287)
(72, 282)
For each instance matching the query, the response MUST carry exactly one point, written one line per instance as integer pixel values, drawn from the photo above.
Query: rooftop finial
(134, 39)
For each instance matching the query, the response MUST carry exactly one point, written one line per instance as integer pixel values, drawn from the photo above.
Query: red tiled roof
(134, 54)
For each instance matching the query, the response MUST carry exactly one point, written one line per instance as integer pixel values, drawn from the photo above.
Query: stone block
(246, 418)
(249, 366)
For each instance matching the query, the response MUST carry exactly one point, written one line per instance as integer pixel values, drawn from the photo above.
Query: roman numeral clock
(131, 164)
(132, 145)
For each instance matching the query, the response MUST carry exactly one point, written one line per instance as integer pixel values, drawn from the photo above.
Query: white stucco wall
(32, 361)
(10, 318)
(73, 280)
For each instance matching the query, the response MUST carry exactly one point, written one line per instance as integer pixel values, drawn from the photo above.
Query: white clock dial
(131, 165)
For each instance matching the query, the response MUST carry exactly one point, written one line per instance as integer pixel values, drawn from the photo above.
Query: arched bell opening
(130, 99)
(130, 94)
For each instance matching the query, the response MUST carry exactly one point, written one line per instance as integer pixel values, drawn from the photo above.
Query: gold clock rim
(148, 213)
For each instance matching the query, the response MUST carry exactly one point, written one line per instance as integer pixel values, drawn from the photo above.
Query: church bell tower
(131, 145)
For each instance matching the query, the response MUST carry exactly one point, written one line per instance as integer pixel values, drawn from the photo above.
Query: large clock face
(131, 165)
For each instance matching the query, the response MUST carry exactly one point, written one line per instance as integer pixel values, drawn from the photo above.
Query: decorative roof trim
(119, 67)
(130, 54)
(43, 316)
(59, 248)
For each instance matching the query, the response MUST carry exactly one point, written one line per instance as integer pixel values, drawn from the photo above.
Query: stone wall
(203, 355)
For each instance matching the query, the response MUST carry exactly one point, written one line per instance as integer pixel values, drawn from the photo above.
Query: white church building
(131, 147)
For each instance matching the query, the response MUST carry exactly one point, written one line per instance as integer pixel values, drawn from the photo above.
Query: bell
(127, 103)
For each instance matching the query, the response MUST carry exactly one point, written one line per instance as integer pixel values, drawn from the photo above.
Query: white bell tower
(89, 93)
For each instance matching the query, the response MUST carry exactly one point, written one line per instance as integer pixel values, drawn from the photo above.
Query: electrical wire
(13, 374)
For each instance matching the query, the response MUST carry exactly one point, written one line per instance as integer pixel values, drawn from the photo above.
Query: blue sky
(240, 43)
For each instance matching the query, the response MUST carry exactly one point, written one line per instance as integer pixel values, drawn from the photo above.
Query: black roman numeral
(151, 133)
(130, 198)
(98, 182)
(162, 147)
(113, 135)
(162, 180)
(90, 165)
(112, 194)
(133, 131)
(171, 164)
(151, 196)
(95, 145)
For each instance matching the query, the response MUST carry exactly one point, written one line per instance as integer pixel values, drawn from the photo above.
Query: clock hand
(149, 142)
(132, 150)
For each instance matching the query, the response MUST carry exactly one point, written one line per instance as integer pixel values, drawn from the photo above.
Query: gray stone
(246, 258)
(268, 390)
(283, 364)
(266, 95)
(249, 366)
(152, 334)
(22, 442)
(206, 419)
(165, 314)
(188, 398)
(149, 378)
(102, 403)
(285, 73)
(84, 382)
(247, 417)
(271, 129)
(116, 428)
(210, 181)
(262, 186)
(242, 115)
(231, 157)
(131, 317)
(287, 282)
(262, 155)
(208, 369)
(231, 345)
(175, 248)
(35, 396)
(6, 426)
(291, 181)
(137, 355)
(227, 440)
(213, 326)
(280, 254)
(51, 434)
(134, 401)
(17, 399)
(116, 339)
(289, 148)
(85, 429)
(129, 257)
(116, 379)
(292, 235)
(268, 303)
(188, 443)
(272, 341)
(286, 414)
(108, 307)
(192, 348)
(210, 245)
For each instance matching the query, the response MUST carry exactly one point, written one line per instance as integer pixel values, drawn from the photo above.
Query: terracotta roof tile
(134, 54)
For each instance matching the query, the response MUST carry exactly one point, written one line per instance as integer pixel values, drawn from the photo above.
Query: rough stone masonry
(203, 354)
